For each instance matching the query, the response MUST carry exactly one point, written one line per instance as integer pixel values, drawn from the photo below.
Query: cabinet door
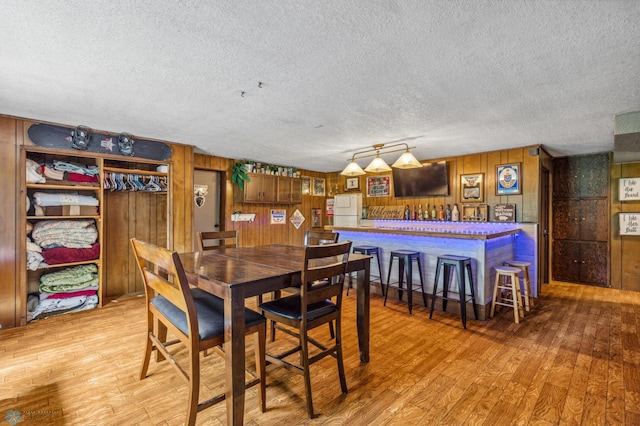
(269, 188)
(566, 214)
(565, 179)
(296, 190)
(566, 261)
(594, 220)
(581, 176)
(594, 172)
(593, 263)
(253, 189)
(284, 189)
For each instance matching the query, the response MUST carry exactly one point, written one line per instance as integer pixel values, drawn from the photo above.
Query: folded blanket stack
(70, 290)
(47, 199)
(81, 233)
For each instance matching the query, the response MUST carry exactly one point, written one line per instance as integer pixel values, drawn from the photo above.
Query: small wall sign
(629, 189)
(629, 223)
(504, 213)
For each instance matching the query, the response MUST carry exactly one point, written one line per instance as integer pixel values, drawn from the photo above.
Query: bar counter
(488, 244)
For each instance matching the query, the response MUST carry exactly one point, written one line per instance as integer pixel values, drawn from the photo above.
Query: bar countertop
(460, 230)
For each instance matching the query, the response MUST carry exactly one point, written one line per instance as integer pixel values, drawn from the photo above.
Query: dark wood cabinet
(271, 189)
(580, 262)
(581, 219)
(289, 190)
(260, 189)
(581, 176)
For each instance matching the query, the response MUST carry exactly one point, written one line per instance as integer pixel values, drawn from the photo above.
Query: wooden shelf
(64, 186)
(66, 265)
(62, 217)
(135, 171)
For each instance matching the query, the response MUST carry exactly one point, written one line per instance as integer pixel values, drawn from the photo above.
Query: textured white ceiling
(451, 77)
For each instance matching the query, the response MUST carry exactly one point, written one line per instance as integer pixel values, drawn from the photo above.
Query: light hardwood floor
(574, 360)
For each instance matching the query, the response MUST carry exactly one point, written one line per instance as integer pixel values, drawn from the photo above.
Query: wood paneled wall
(625, 249)
(8, 220)
(260, 231)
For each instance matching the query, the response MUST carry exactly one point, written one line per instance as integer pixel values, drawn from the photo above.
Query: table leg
(362, 308)
(234, 346)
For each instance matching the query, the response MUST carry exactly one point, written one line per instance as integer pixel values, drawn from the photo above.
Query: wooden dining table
(235, 274)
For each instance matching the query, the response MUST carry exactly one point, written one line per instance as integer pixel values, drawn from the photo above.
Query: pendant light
(407, 161)
(378, 165)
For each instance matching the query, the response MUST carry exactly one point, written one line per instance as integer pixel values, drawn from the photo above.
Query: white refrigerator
(347, 210)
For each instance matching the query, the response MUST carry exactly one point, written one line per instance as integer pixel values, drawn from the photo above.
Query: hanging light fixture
(378, 165)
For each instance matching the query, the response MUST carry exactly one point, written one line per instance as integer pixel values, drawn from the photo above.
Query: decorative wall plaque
(504, 213)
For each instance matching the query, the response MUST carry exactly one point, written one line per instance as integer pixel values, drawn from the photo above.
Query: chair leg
(194, 385)
(161, 334)
(260, 351)
(147, 351)
(332, 332)
(341, 374)
(304, 361)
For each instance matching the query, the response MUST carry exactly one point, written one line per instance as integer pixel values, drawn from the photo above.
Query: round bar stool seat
(405, 262)
(461, 264)
(508, 282)
(525, 281)
(369, 251)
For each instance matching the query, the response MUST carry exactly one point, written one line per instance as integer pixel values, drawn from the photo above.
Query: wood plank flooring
(574, 360)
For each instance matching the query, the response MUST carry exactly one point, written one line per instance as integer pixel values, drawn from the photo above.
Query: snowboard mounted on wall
(84, 139)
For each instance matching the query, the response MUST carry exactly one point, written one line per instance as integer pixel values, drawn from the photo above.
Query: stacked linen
(69, 290)
(47, 199)
(75, 234)
(34, 255)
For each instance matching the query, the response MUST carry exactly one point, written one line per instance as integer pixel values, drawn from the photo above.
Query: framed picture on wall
(472, 188)
(508, 179)
(352, 183)
(379, 186)
(316, 218)
(306, 185)
(318, 186)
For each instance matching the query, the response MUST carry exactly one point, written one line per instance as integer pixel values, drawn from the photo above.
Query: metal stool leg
(388, 281)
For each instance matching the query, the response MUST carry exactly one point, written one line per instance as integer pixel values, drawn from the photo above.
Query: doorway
(206, 202)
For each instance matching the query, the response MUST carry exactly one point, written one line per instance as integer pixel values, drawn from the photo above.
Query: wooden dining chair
(194, 317)
(319, 302)
(216, 240)
(314, 238)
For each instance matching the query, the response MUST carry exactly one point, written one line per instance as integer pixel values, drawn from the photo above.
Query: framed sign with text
(379, 186)
(508, 179)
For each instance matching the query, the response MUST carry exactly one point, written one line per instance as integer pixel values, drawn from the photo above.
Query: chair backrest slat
(163, 274)
(323, 272)
(217, 240)
(314, 238)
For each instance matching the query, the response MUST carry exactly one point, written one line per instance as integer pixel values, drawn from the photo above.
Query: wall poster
(379, 186)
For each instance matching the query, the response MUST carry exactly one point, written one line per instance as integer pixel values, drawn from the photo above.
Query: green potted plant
(239, 174)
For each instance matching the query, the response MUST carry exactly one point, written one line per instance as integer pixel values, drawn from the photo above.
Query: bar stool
(460, 263)
(369, 251)
(525, 281)
(405, 259)
(512, 296)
